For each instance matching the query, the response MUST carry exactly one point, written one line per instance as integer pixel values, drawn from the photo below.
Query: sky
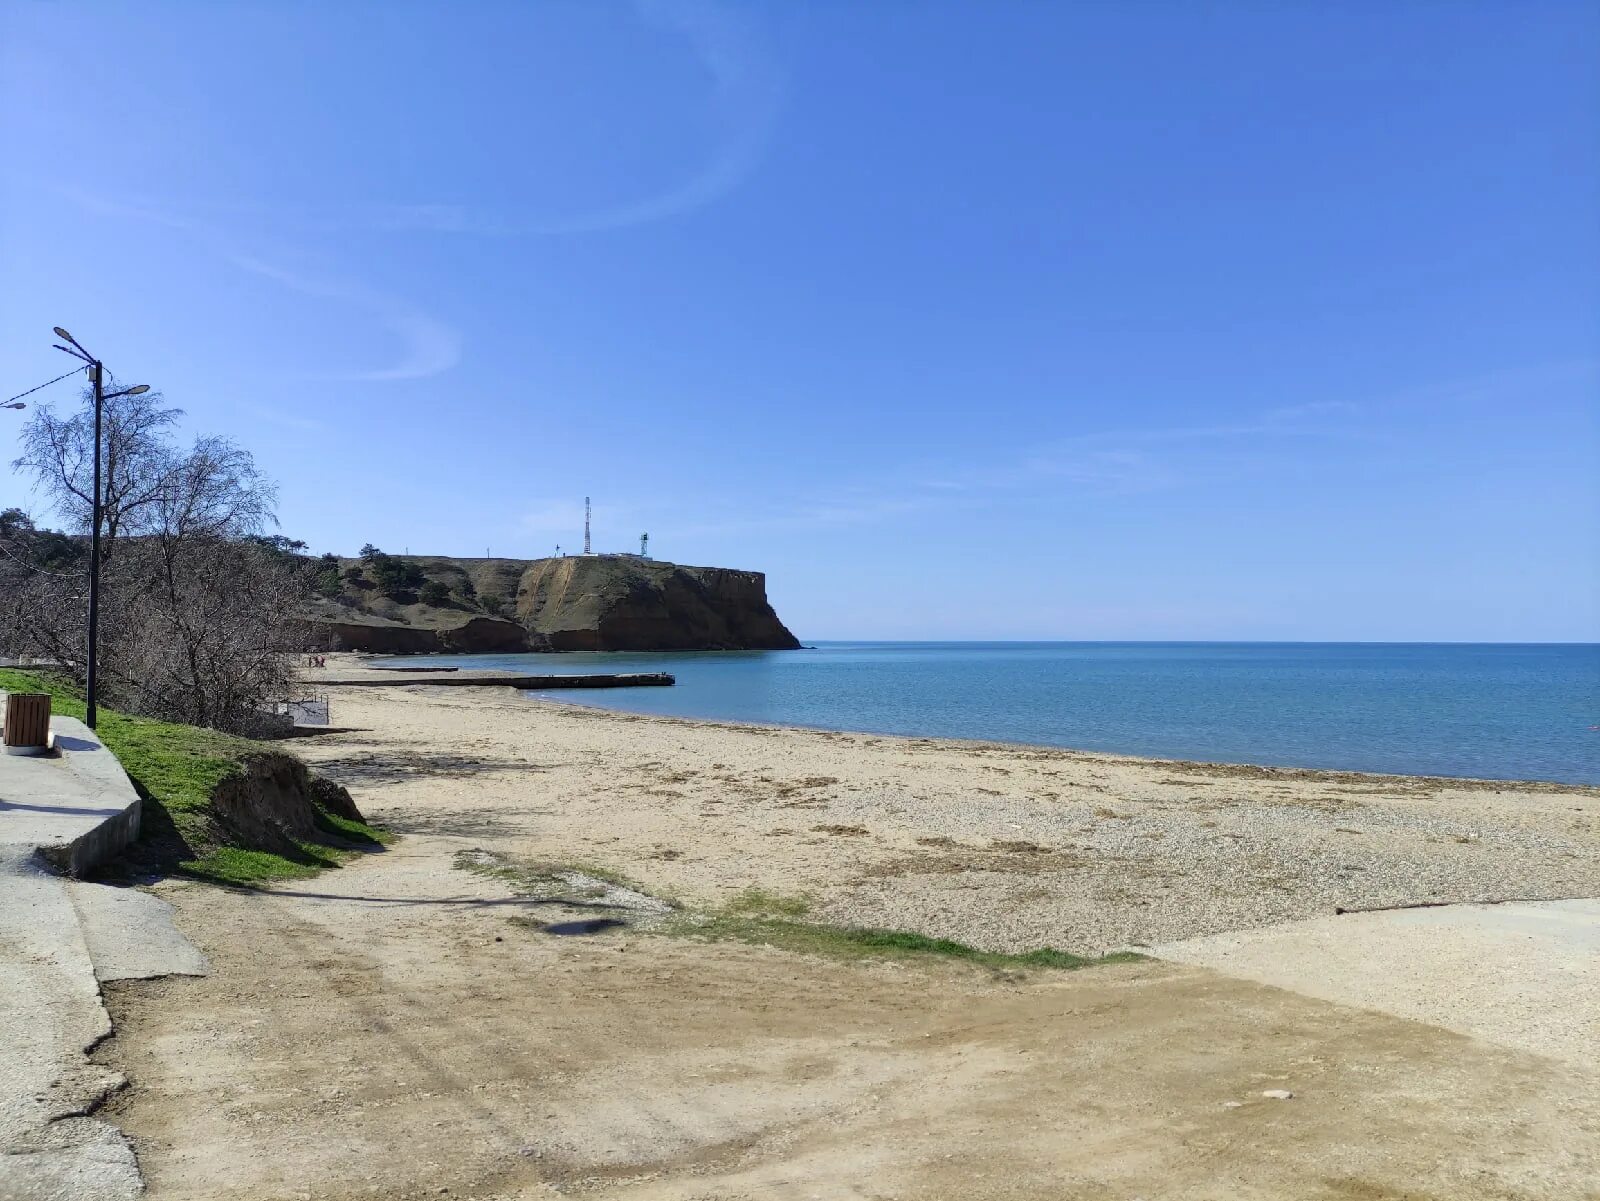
(959, 320)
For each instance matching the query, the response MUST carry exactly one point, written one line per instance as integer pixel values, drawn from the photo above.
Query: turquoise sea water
(1515, 712)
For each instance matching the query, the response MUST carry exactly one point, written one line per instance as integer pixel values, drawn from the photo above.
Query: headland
(418, 604)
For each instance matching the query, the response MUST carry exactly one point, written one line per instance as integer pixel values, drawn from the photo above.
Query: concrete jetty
(396, 677)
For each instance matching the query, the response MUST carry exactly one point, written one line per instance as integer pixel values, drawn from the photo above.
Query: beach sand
(404, 1028)
(1005, 847)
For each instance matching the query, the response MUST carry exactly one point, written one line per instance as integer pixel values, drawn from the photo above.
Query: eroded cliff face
(591, 602)
(618, 603)
(474, 636)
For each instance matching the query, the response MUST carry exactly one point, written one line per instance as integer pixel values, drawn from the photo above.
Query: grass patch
(351, 830)
(241, 868)
(522, 878)
(559, 883)
(771, 919)
(177, 769)
(855, 942)
(758, 902)
(759, 917)
(527, 877)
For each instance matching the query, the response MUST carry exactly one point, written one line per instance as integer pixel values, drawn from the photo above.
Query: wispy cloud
(1104, 465)
(747, 90)
(1290, 414)
(745, 98)
(293, 421)
(1101, 464)
(428, 345)
(1129, 461)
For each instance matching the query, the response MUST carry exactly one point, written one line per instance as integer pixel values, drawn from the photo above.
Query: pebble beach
(1004, 847)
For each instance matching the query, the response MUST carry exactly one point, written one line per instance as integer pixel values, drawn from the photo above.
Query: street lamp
(96, 375)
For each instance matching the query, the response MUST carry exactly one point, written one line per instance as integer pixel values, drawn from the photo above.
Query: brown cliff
(588, 602)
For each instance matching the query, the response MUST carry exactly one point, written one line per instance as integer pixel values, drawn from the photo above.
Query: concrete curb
(59, 939)
(75, 807)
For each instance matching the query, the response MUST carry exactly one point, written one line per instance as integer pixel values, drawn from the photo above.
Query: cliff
(421, 603)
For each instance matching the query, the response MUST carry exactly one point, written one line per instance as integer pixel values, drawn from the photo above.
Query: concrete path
(59, 939)
(1519, 975)
(76, 805)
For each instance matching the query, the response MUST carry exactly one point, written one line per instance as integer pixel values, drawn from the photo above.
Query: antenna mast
(586, 549)
(644, 546)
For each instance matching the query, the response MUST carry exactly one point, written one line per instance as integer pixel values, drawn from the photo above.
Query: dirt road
(388, 1031)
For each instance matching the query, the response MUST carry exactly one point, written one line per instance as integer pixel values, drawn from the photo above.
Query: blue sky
(960, 321)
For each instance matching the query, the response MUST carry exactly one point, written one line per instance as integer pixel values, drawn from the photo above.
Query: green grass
(766, 918)
(770, 919)
(758, 902)
(532, 875)
(856, 942)
(241, 868)
(177, 768)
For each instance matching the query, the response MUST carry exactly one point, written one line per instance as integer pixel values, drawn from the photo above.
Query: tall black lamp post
(97, 377)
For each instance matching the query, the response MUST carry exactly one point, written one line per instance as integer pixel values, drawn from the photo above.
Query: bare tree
(58, 451)
(43, 592)
(195, 603)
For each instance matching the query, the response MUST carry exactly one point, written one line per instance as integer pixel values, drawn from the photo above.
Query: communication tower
(644, 546)
(586, 548)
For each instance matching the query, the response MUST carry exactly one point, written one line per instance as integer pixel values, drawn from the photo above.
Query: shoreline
(1002, 846)
(1327, 708)
(1492, 783)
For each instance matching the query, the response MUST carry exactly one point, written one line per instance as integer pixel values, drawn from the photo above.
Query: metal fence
(304, 709)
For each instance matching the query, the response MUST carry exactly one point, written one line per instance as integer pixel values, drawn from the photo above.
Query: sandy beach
(406, 1027)
(1005, 847)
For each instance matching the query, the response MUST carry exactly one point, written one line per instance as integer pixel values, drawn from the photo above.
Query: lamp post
(97, 378)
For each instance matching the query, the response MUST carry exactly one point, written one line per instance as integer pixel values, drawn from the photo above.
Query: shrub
(393, 576)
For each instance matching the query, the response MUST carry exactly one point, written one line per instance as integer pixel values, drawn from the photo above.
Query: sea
(1490, 711)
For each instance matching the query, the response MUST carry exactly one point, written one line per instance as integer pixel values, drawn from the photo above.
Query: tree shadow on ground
(157, 852)
(463, 823)
(396, 766)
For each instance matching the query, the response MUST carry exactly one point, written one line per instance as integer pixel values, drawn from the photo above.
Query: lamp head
(77, 349)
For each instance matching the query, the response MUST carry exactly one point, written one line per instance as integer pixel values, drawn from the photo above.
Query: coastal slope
(426, 603)
(622, 603)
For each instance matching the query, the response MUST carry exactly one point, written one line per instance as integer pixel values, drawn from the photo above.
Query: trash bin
(27, 728)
